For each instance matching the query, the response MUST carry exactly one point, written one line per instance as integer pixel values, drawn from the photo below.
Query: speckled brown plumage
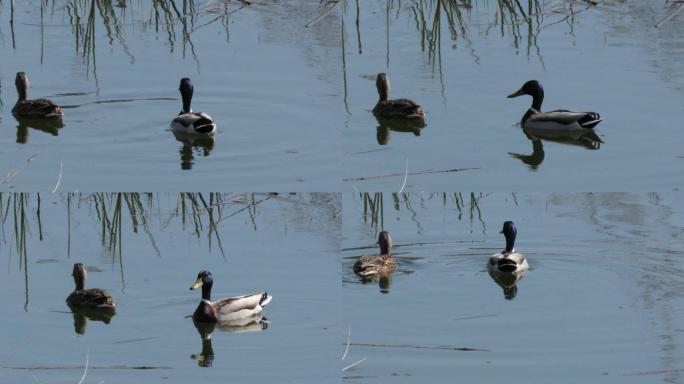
(82, 297)
(370, 266)
(91, 298)
(38, 108)
(398, 108)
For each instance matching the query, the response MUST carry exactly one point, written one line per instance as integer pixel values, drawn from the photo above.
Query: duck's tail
(265, 299)
(590, 120)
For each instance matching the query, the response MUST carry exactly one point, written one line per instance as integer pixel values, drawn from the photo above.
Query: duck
(508, 261)
(188, 121)
(88, 298)
(557, 122)
(36, 109)
(377, 265)
(398, 108)
(229, 309)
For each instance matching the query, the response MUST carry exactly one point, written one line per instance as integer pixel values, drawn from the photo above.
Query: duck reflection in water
(508, 282)
(50, 126)
(205, 359)
(588, 140)
(82, 315)
(387, 124)
(191, 143)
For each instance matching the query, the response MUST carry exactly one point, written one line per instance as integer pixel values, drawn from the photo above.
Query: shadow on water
(508, 282)
(193, 144)
(588, 140)
(385, 125)
(82, 315)
(205, 359)
(51, 126)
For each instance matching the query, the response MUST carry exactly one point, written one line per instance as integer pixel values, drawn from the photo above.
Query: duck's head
(22, 84)
(509, 231)
(532, 88)
(79, 274)
(385, 242)
(383, 84)
(186, 89)
(204, 280)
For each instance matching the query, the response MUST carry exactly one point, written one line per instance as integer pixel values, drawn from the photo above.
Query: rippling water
(147, 250)
(602, 301)
(459, 63)
(257, 71)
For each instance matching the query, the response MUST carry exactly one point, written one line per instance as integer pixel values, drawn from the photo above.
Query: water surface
(257, 70)
(147, 250)
(461, 62)
(602, 301)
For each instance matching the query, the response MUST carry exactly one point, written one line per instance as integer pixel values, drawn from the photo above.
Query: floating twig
(423, 172)
(440, 347)
(59, 179)
(344, 356)
(85, 370)
(322, 15)
(671, 15)
(352, 365)
(405, 178)
(15, 171)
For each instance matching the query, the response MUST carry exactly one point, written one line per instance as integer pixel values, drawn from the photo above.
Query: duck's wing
(246, 305)
(565, 118)
(372, 265)
(194, 122)
(91, 298)
(399, 108)
(37, 108)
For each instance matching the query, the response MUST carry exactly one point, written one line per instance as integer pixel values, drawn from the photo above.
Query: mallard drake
(94, 298)
(377, 265)
(228, 309)
(188, 121)
(399, 108)
(38, 108)
(560, 120)
(508, 260)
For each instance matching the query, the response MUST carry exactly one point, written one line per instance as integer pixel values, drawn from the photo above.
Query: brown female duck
(398, 108)
(94, 298)
(38, 108)
(384, 263)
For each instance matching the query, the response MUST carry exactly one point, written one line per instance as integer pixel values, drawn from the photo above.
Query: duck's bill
(516, 94)
(197, 284)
